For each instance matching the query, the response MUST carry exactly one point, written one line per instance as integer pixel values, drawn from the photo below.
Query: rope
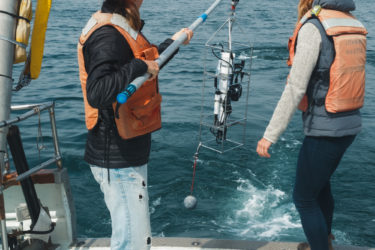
(15, 16)
(24, 81)
(192, 182)
(39, 139)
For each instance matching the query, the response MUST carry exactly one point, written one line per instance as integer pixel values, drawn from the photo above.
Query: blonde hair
(303, 7)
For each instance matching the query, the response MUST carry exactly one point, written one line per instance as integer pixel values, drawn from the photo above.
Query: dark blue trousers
(318, 159)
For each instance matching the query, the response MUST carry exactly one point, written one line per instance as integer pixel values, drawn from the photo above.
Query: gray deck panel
(168, 243)
(213, 244)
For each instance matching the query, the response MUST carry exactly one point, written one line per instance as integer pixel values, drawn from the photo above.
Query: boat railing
(34, 110)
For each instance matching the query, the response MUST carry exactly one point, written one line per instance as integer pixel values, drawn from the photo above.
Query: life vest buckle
(316, 10)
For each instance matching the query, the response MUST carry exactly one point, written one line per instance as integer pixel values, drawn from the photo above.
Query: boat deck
(202, 244)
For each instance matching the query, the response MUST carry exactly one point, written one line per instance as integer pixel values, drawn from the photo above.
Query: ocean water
(240, 196)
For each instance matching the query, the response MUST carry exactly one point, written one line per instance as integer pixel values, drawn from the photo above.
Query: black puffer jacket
(111, 66)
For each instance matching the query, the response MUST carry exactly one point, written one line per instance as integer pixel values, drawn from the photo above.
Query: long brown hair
(303, 7)
(128, 9)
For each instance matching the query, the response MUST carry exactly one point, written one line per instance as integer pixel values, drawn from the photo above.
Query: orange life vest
(141, 113)
(347, 73)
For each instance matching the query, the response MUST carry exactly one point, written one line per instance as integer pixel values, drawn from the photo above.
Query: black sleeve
(110, 65)
(163, 46)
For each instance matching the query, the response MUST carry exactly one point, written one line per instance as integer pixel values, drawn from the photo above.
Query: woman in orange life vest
(112, 52)
(328, 70)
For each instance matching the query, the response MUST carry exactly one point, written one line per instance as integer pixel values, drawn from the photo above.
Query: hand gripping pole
(132, 87)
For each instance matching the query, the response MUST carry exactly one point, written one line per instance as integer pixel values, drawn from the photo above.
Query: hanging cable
(190, 201)
(194, 168)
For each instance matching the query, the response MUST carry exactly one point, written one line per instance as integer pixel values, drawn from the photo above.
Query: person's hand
(188, 32)
(152, 68)
(263, 146)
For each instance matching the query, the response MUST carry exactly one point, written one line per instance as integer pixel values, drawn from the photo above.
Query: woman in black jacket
(118, 165)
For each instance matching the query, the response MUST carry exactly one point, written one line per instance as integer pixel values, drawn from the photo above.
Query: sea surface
(240, 195)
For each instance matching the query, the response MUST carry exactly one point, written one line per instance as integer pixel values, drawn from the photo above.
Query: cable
(194, 168)
(231, 54)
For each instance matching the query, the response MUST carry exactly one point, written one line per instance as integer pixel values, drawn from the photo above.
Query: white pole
(132, 87)
(7, 31)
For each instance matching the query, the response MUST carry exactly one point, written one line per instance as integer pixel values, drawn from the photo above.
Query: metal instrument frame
(207, 117)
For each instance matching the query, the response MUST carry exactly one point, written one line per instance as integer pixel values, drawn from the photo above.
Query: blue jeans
(126, 198)
(317, 161)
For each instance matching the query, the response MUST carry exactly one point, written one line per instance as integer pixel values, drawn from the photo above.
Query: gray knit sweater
(307, 53)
